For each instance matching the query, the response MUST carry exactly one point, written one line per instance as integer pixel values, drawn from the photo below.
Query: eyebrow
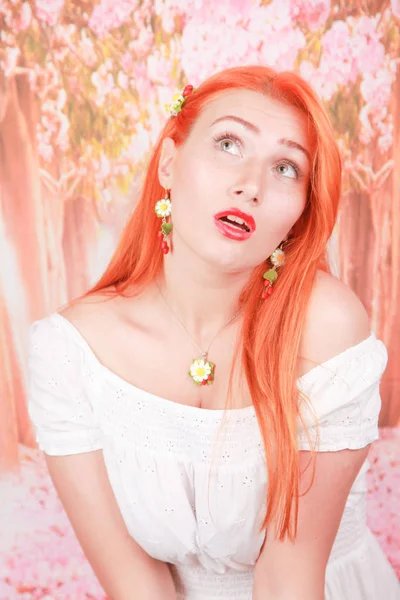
(251, 127)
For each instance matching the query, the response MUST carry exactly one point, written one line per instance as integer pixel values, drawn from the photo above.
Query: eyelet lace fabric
(191, 482)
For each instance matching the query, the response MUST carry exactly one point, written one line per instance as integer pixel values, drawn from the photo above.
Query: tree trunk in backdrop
(79, 240)
(390, 385)
(30, 228)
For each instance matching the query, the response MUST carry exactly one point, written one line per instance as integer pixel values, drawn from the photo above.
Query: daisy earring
(277, 259)
(163, 211)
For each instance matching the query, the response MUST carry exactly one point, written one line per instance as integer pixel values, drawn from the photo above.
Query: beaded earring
(277, 258)
(163, 211)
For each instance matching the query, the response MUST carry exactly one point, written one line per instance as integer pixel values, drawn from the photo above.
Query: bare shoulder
(107, 316)
(88, 310)
(336, 320)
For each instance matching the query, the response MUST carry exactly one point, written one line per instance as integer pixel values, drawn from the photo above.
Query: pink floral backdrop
(83, 85)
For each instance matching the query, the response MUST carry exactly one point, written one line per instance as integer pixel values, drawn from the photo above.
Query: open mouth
(236, 222)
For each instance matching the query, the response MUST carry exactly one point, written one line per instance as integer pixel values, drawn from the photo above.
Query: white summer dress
(204, 523)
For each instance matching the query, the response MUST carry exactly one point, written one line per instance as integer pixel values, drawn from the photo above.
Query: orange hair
(271, 333)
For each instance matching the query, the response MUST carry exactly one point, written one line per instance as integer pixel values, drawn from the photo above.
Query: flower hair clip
(178, 101)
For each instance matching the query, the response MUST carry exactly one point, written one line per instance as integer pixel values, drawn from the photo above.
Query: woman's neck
(203, 298)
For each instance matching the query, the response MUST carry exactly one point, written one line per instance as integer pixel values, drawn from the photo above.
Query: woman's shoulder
(71, 325)
(336, 321)
(90, 307)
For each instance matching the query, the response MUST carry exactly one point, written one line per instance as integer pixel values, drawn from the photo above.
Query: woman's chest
(205, 505)
(172, 367)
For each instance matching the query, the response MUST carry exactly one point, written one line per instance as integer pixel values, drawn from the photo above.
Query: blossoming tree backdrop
(82, 89)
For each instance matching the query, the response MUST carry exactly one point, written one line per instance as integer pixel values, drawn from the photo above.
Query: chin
(226, 260)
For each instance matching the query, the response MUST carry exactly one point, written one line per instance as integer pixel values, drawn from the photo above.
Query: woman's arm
(296, 571)
(122, 567)
(336, 320)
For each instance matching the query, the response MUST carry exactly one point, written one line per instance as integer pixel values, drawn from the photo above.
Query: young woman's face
(246, 158)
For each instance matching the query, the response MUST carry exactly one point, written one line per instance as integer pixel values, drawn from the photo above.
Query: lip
(230, 231)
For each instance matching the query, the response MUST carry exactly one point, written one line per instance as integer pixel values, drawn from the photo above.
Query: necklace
(201, 369)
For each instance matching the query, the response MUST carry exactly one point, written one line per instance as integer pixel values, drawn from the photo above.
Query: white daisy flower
(278, 257)
(163, 208)
(176, 105)
(200, 370)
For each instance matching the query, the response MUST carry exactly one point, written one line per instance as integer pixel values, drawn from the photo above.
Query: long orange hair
(271, 332)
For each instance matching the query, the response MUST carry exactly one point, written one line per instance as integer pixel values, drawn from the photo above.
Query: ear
(165, 164)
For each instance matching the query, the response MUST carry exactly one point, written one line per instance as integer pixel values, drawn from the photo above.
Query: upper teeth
(236, 219)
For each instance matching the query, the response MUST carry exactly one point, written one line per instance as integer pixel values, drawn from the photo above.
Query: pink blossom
(103, 167)
(103, 80)
(367, 131)
(395, 4)
(376, 89)
(261, 35)
(383, 494)
(123, 80)
(131, 111)
(140, 81)
(62, 139)
(337, 58)
(368, 52)
(167, 14)
(350, 48)
(111, 14)
(49, 11)
(312, 13)
(39, 549)
(87, 50)
(139, 145)
(159, 67)
(168, 10)
(24, 18)
(10, 61)
(385, 139)
(127, 62)
(143, 43)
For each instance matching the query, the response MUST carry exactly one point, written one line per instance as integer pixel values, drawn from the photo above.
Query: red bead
(267, 282)
(188, 89)
(204, 382)
(266, 293)
(160, 235)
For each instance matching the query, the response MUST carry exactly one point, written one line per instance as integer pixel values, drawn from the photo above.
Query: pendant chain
(204, 354)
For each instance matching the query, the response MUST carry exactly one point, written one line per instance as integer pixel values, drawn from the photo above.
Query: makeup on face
(254, 129)
(235, 224)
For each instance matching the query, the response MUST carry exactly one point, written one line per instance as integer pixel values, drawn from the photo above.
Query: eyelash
(234, 138)
(229, 136)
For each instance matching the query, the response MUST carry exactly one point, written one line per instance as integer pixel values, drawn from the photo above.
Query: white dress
(158, 452)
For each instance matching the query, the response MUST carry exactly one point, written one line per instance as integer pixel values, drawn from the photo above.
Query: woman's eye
(229, 145)
(289, 170)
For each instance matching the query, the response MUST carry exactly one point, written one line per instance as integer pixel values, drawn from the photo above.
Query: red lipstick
(235, 224)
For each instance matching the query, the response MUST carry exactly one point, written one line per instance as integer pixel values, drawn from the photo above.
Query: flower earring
(163, 211)
(277, 258)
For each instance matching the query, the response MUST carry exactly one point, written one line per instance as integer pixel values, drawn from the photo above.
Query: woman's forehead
(260, 110)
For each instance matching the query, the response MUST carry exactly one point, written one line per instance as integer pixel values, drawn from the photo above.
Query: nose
(249, 187)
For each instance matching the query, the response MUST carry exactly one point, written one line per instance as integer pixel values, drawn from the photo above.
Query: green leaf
(271, 275)
(166, 228)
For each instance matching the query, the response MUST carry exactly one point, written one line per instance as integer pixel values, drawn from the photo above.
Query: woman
(217, 353)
